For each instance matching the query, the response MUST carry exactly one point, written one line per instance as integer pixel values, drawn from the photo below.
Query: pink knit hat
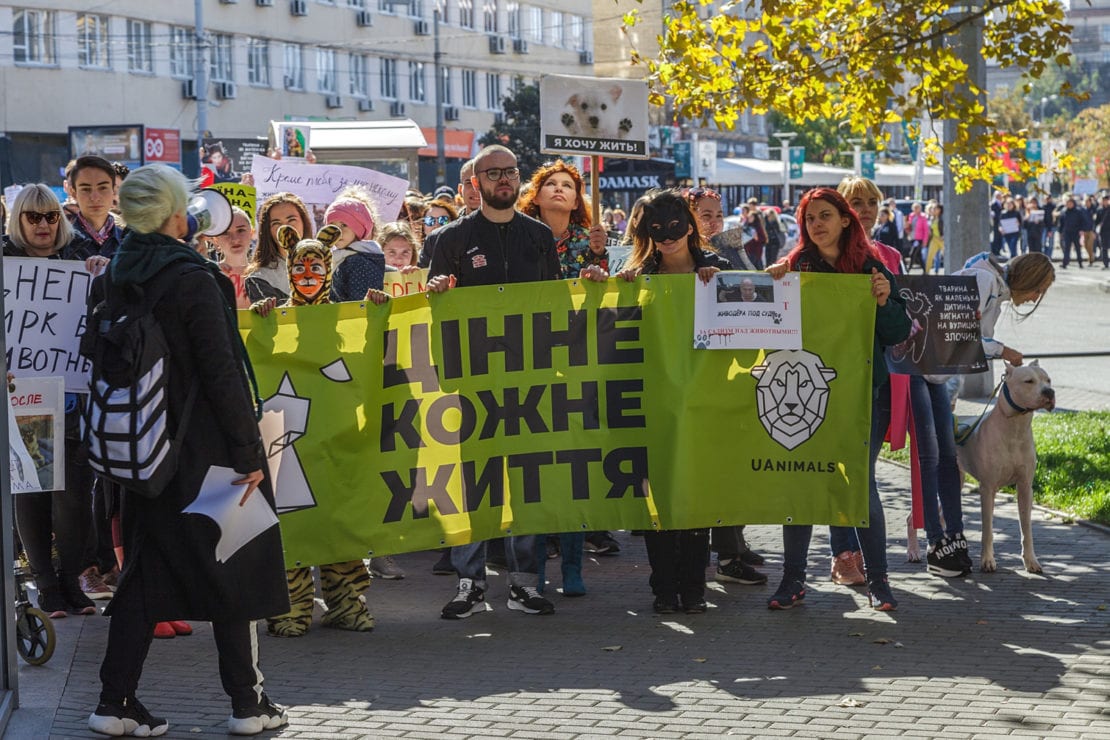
(356, 215)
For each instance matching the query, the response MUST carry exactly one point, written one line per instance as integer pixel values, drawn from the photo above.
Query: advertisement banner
(44, 305)
(557, 406)
(115, 143)
(162, 145)
(594, 115)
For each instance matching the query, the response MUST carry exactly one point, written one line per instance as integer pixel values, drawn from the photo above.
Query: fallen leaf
(898, 645)
(855, 634)
(882, 641)
(850, 702)
(611, 648)
(981, 621)
(1102, 607)
(876, 667)
(699, 660)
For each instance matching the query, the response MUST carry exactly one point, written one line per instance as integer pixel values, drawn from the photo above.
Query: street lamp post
(441, 149)
(784, 147)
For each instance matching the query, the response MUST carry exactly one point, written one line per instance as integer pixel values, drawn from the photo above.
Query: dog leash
(962, 435)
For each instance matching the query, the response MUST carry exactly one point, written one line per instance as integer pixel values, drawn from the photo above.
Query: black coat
(171, 554)
(527, 256)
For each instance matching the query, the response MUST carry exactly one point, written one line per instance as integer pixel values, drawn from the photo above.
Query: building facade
(135, 62)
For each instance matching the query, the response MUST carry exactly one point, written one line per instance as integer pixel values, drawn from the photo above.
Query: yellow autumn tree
(862, 64)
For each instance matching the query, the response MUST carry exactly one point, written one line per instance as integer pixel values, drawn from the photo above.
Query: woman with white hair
(170, 568)
(38, 229)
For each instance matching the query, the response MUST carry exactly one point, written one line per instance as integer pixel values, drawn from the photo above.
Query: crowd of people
(497, 227)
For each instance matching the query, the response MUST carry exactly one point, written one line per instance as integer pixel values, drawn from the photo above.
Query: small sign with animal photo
(36, 432)
(748, 310)
(600, 116)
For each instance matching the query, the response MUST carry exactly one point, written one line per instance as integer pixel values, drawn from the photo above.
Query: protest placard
(239, 195)
(318, 185)
(748, 310)
(398, 284)
(44, 318)
(38, 407)
(594, 115)
(945, 336)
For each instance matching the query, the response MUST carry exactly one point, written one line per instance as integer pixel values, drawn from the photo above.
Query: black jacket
(528, 255)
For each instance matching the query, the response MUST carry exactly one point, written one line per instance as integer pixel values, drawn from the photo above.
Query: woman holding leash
(832, 240)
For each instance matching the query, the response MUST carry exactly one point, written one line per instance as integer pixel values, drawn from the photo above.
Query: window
(512, 10)
(1104, 32)
(92, 41)
(293, 67)
(489, 16)
(416, 82)
(577, 38)
(535, 24)
(140, 51)
(360, 75)
(258, 62)
(445, 85)
(493, 91)
(556, 28)
(389, 79)
(469, 88)
(220, 58)
(181, 52)
(327, 76)
(760, 125)
(466, 13)
(360, 4)
(33, 37)
(414, 8)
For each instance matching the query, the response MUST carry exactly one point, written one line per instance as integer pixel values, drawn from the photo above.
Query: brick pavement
(1007, 654)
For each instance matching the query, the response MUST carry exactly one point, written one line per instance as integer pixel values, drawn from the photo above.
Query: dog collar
(1010, 400)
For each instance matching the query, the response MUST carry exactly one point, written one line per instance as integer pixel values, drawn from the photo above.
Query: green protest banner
(558, 406)
(238, 195)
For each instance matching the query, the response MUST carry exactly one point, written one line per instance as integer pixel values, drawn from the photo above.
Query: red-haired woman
(833, 240)
(557, 196)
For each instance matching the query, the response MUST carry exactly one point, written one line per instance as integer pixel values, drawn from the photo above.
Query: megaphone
(209, 214)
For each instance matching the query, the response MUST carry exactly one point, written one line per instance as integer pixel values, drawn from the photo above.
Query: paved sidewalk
(987, 656)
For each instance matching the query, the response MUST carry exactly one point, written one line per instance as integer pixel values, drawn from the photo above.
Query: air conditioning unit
(421, 28)
(585, 57)
(520, 46)
(365, 106)
(228, 2)
(289, 82)
(364, 19)
(333, 101)
(496, 44)
(397, 109)
(451, 113)
(264, 3)
(189, 89)
(226, 90)
(498, 119)
(298, 7)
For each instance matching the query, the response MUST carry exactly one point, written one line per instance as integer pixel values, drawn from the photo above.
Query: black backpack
(127, 427)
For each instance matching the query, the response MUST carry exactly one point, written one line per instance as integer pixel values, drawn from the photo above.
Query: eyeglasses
(34, 217)
(434, 220)
(493, 174)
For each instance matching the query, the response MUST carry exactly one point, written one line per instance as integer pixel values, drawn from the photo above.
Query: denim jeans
(936, 454)
(1012, 242)
(871, 539)
(520, 554)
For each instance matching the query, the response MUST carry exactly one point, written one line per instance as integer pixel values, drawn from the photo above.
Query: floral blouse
(573, 249)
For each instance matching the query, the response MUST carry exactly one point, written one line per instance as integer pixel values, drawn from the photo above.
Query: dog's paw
(568, 120)
(1032, 565)
(625, 125)
(987, 564)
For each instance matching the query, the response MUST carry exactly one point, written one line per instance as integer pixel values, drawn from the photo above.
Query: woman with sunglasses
(557, 196)
(441, 211)
(38, 229)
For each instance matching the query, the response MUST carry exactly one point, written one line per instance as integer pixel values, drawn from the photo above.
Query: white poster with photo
(38, 437)
(44, 304)
(594, 115)
(748, 310)
(318, 185)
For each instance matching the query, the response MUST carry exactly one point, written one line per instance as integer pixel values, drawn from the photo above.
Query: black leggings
(678, 558)
(62, 516)
(132, 630)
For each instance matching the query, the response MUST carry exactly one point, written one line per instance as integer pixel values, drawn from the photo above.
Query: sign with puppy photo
(603, 116)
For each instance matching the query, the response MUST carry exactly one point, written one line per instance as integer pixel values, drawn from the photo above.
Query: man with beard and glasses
(495, 244)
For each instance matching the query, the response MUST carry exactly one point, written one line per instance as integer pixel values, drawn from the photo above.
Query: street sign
(797, 159)
(1033, 151)
(681, 159)
(867, 165)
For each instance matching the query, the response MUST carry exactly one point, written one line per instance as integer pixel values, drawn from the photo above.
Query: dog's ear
(615, 92)
(572, 101)
(1035, 363)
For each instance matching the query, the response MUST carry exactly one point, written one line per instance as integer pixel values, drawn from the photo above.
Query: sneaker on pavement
(252, 720)
(846, 571)
(790, 593)
(601, 543)
(469, 599)
(79, 602)
(962, 550)
(130, 719)
(53, 603)
(751, 557)
(737, 571)
(93, 584)
(665, 605)
(944, 559)
(386, 567)
(443, 566)
(528, 600)
(879, 595)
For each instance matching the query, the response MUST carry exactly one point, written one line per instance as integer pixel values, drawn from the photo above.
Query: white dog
(594, 114)
(1000, 452)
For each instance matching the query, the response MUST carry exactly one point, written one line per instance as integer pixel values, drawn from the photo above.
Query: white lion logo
(792, 395)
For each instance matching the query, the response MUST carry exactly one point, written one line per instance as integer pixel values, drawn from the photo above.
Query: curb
(1053, 512)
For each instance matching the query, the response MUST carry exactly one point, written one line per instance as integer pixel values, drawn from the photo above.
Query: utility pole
(784, 150)
(441, 147)
(200, 73)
